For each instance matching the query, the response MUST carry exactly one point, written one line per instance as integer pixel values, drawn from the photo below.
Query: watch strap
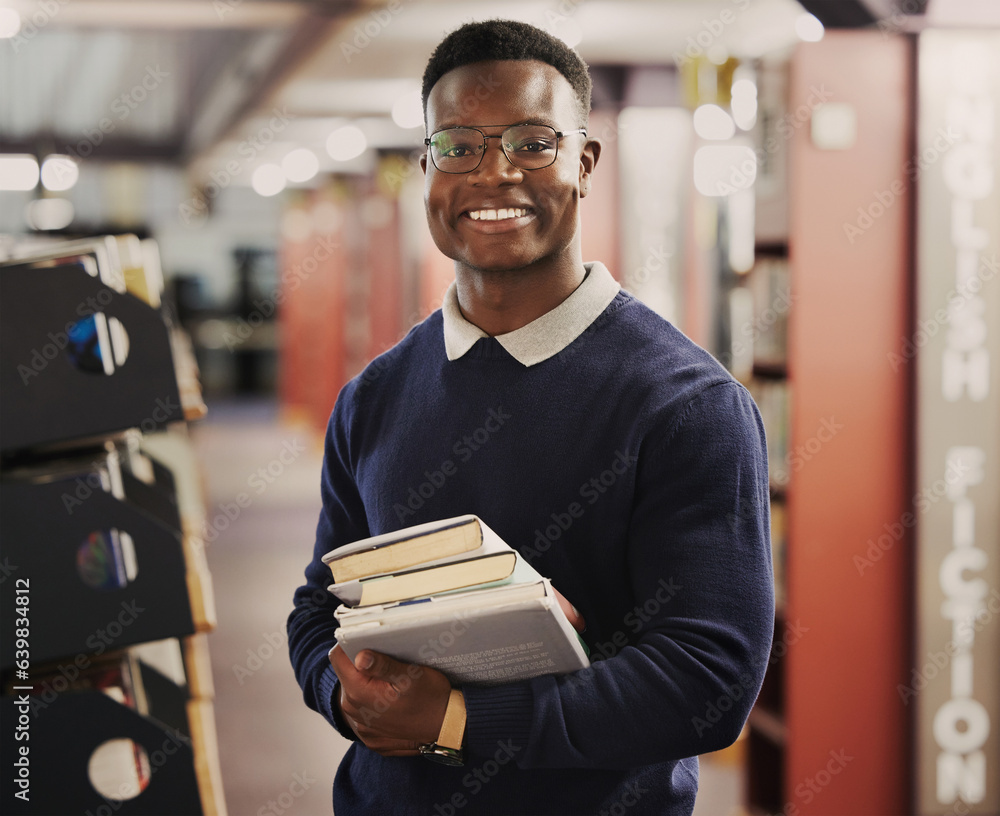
(453, 725)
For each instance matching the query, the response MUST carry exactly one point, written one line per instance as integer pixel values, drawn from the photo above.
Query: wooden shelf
(813, 696)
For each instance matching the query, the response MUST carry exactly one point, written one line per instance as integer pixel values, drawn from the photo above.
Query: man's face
(492, 96)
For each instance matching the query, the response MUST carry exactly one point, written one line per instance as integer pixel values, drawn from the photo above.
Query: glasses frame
(559, 134)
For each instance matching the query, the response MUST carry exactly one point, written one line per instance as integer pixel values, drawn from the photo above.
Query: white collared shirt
(543, 337)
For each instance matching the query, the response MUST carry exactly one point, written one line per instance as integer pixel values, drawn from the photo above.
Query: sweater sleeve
(311, 626)
(700, 567)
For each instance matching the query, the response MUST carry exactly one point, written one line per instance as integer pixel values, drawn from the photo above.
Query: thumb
(377, 665)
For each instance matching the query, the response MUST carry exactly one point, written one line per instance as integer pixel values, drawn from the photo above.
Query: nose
(495, 169)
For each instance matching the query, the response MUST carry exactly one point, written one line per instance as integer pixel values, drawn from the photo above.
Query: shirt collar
(541, 338)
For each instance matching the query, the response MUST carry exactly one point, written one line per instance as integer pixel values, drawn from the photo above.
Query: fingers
(366, 668)
(367, 699)
(341, 663)
(382, 744)
(574, 617)
(372, 664)
(390, 700)
(379, 666)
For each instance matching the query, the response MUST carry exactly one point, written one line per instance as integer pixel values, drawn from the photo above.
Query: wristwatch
(448, 748)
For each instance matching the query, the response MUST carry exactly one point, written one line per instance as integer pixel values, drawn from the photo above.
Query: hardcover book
(423, 544)
(488, 636)
(468, 605)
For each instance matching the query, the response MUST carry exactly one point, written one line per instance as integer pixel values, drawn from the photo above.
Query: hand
(393, 707)
(569, 610)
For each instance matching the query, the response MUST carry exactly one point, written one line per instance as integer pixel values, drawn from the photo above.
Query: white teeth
(496, 215)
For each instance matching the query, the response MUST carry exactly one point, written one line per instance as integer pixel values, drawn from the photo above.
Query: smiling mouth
(497, 215)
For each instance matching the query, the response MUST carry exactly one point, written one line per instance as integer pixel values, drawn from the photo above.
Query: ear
(588, 161)
(423, 162)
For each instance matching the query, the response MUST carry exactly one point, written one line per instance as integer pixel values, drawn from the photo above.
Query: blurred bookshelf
(759, 308)
(807, 329)
(105, 667)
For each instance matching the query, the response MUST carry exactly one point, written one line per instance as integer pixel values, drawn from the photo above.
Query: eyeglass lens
(460, 150)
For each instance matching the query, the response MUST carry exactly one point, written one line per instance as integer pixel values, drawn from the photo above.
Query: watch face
(446, 756)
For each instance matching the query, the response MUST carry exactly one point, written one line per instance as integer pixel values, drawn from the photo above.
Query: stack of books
(452, 595)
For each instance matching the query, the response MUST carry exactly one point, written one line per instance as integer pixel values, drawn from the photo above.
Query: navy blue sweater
(629, 468)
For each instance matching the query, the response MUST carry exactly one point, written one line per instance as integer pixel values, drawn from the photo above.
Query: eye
(531, 145)
(457, 144)
(459, 151)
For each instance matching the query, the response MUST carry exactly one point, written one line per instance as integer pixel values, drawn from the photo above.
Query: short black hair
(507, 40)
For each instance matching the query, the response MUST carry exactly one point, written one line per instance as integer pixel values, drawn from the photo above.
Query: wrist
(448, 746)
(340, 721)
(452, 732)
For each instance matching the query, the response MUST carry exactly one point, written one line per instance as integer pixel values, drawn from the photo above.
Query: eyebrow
(534, 121)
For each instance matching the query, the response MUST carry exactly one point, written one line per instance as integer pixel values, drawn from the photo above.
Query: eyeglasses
(528, 147)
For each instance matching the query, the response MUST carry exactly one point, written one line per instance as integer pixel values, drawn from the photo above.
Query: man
(616, 455)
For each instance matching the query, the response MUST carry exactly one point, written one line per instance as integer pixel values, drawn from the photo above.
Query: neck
(499, 302)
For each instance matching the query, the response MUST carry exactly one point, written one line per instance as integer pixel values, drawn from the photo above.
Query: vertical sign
(955, 683)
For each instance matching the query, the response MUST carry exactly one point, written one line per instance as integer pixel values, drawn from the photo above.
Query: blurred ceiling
(190, 81)
(166, 77)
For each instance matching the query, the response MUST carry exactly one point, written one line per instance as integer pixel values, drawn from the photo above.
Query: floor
(272, 748)
(278, 757)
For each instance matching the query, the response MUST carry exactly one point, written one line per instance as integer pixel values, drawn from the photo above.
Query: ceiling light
(712, 122)
(300, 165)
(59, 173)
(18, 172)
(808, 27)
(717, 54)
(10, 23)
(408, 110)
(740, 223)
(268, 180)
(49, 213)
(744, 103)
(745, 113)
(346, 143)
(744, 87)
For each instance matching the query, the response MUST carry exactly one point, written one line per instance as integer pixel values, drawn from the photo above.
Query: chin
(498, 266)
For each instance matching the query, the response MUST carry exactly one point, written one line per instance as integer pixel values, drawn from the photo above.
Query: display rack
(104, 665)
